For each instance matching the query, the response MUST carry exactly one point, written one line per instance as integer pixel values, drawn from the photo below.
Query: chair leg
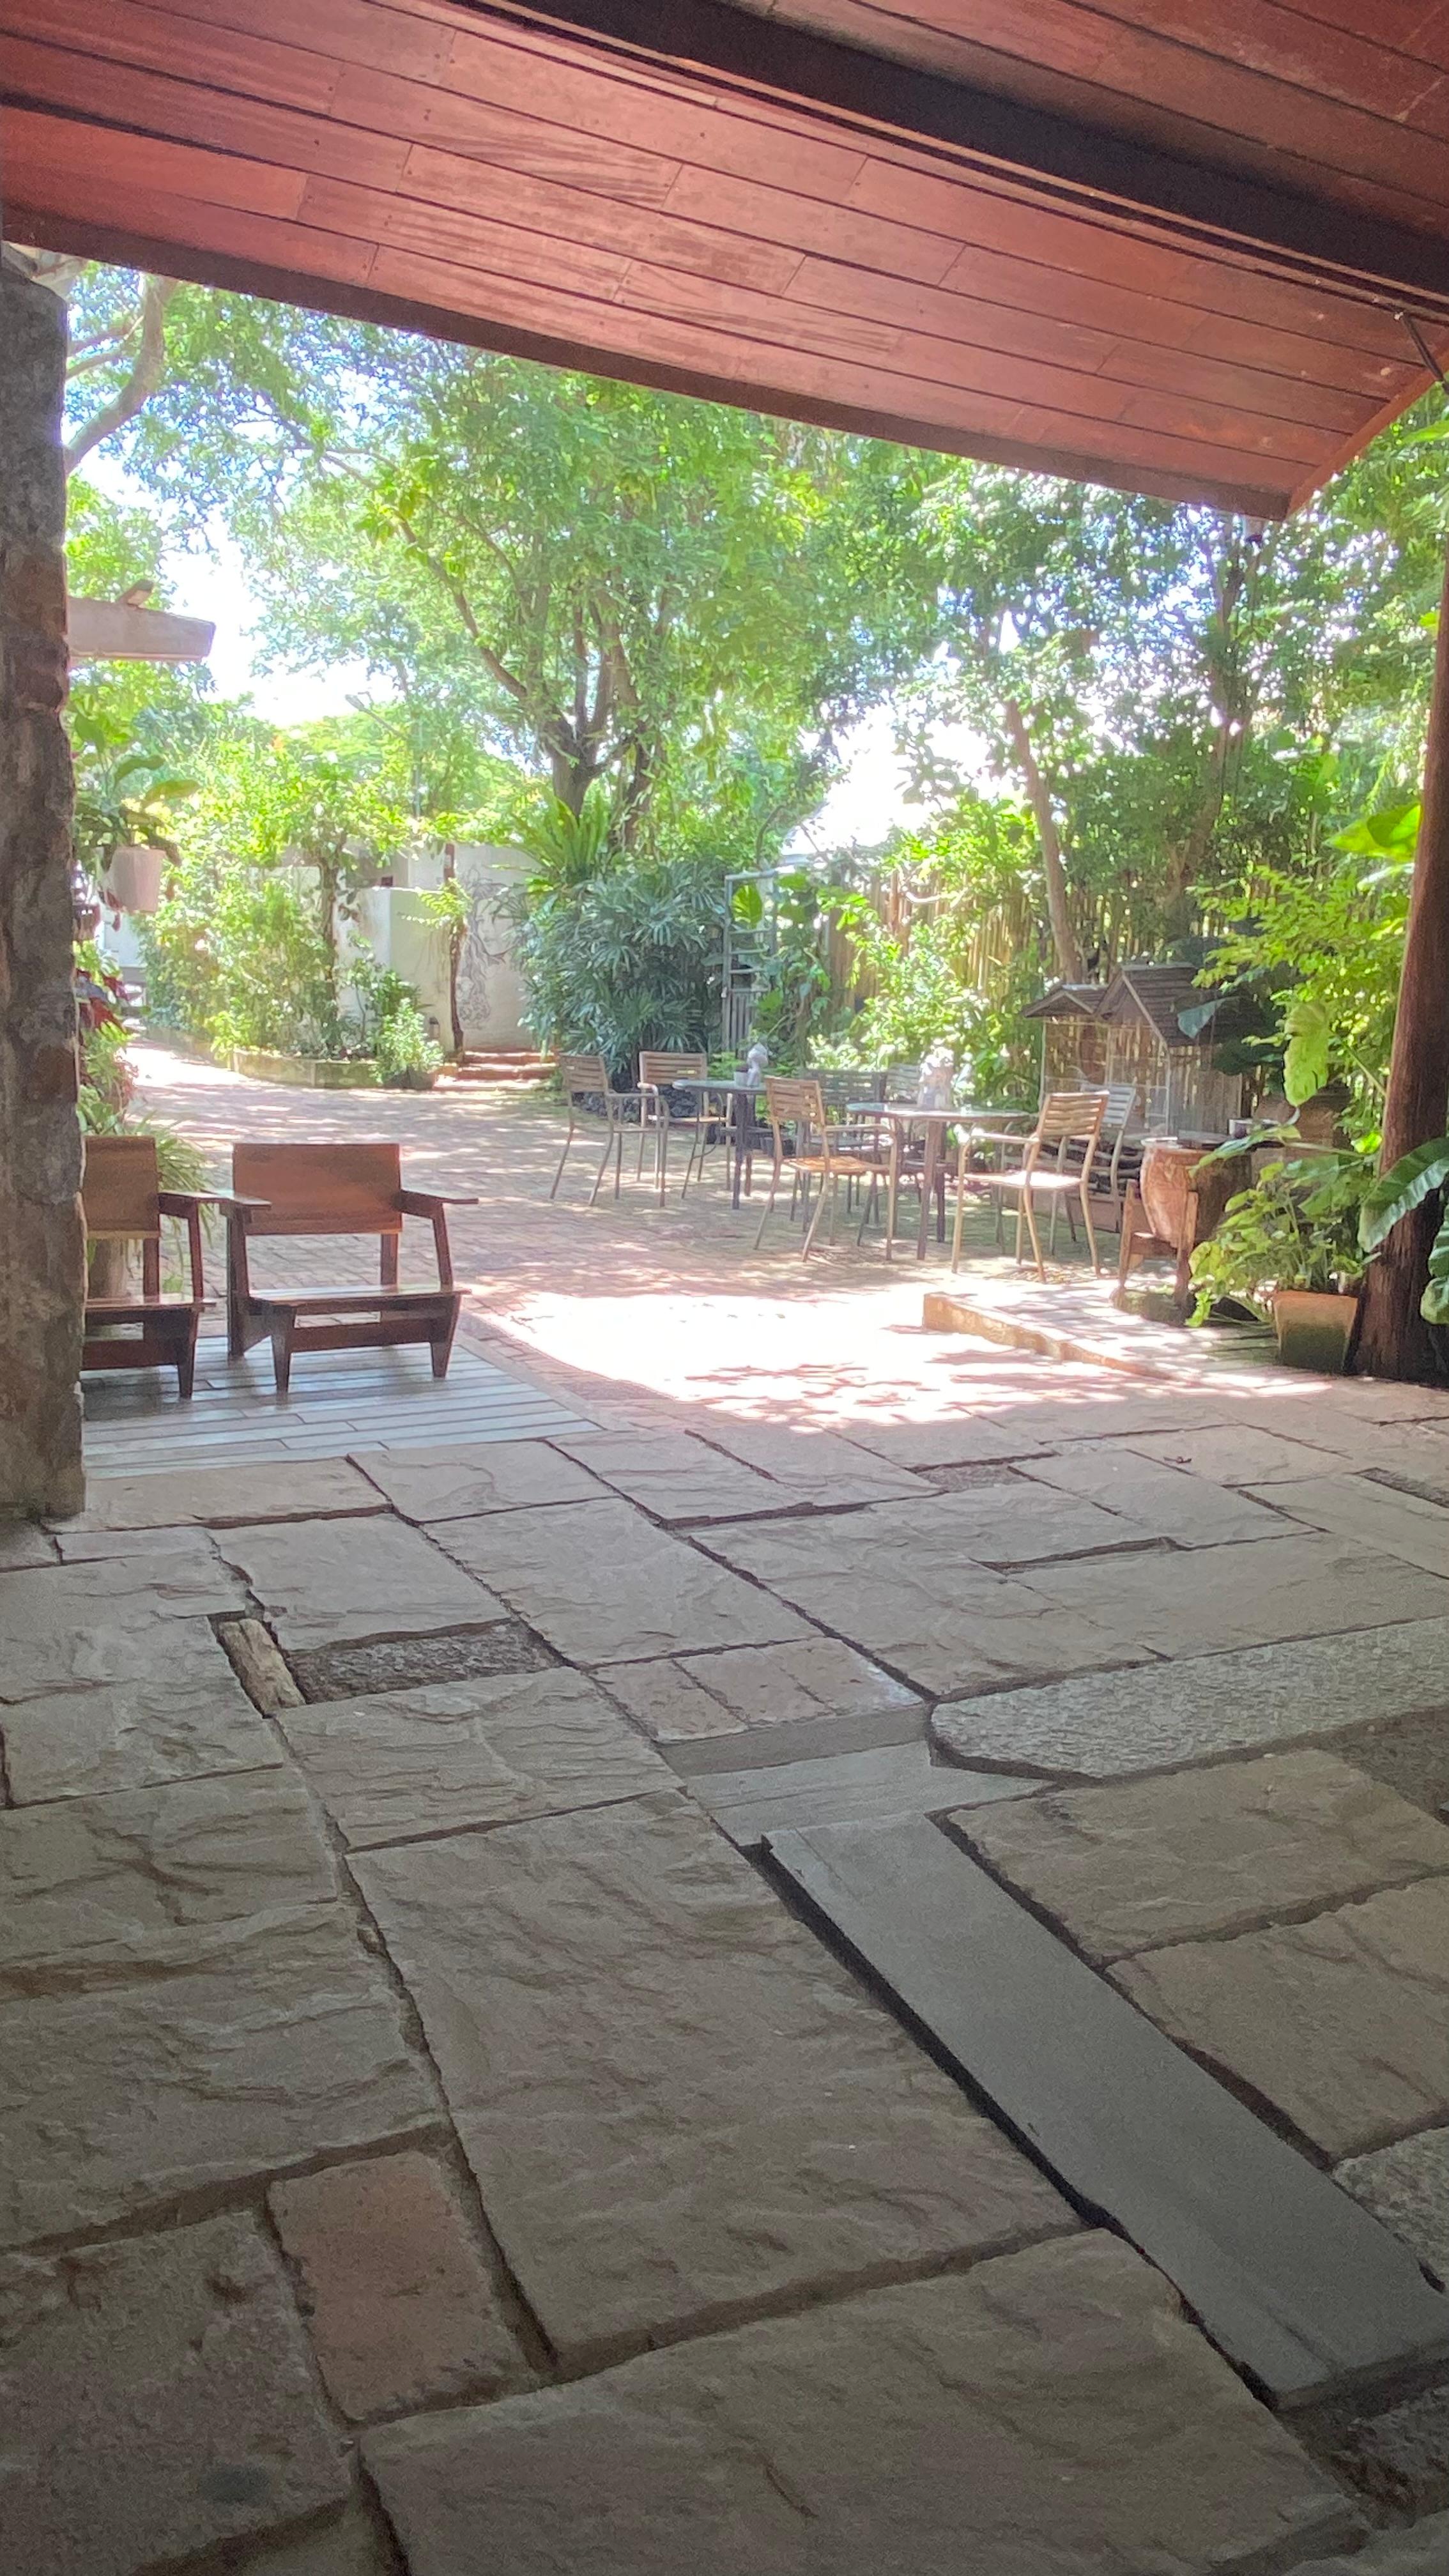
(815, 1220)
(643, 1132)
(1091, 1231)
(563, 1158)
(603, 1163)
(769, 1203)
(186, 1359)
(440, 1348)
(893, 1191)
(1128, 1237)
(1030, 1214)
(282, 1353)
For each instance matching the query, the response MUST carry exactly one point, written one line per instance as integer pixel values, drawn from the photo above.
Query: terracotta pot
(1313, 1327)
(1170, 1172)
(133, 876)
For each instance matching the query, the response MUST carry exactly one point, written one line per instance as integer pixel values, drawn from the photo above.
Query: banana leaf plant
(1395, 1194)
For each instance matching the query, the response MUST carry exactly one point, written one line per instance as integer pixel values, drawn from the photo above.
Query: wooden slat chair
(585, 1079)
(325, 1190)
(818, 1154)
(658, 1068)
(1065, 1120)
(123, 1202)
(1118, 1157)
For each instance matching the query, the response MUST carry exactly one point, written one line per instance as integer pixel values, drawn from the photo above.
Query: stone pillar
(42, 1245)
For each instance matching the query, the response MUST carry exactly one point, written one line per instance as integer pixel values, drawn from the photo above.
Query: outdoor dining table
(900, 1116)
(741, 1097)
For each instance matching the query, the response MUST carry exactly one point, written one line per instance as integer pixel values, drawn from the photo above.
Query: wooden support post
(42, 1241)
(1393, 1339)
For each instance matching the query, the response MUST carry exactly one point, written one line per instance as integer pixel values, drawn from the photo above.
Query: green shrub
(407, 1058)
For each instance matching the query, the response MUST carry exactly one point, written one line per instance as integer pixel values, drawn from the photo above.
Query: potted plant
(407, 1058)
(1289, 1248)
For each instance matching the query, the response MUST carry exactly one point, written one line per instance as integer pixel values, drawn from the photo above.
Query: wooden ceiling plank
(1408, 25)
(481, 239)
(1131, 79)
(544, 147)
(219, 246)
(1079, 246)
(931, 359)
(384, 39)
(1019, 332)
(157, 39)
(179, 234)
(1370, 72)
(45, 76)
(442, 178)
(1041, 286)
(139, 161)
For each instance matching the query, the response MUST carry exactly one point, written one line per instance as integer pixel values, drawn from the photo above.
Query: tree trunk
(1393, 1339)
(1064, 937)
(456, 939)
(42, 1239)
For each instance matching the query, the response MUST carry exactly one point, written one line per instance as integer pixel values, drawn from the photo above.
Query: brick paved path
(429, 2142)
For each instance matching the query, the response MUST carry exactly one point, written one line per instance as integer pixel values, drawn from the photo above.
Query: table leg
(737, 1135)
(893, 1189)
(930, 1156)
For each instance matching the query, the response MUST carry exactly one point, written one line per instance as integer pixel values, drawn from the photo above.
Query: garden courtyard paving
(432, 2138)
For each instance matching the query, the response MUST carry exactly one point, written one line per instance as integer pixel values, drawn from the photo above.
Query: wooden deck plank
(1292, 2279)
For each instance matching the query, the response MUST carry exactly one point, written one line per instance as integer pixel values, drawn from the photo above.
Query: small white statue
(938, 1075)
(755, 1062)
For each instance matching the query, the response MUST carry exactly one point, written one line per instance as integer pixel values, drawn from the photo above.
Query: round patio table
(900, 1116)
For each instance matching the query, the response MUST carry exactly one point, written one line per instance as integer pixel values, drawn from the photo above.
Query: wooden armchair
(585, 1079)
(658, 1068)
(123, 1202)
(335, 1189)
(820, 1153)
(1067, 1120)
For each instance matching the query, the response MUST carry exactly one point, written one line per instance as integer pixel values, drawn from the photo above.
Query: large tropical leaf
(1397, 1192)
(1434, 1304)
(1306, 1056)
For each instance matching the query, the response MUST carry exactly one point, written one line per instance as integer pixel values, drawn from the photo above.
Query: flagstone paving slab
(350, 2547)
(677, 1477)
(399, 2305)
(758, 1688)
(954, 1440)
(675, 2103)
(917, 1602)
(1407, 2186)
(1130, 1867)
(56, 1624)
(91, 1880)
(819, 1468)
(1049, 2413)
(1401, 1525)
(1202, 1706)
(270, 2043)
(1164, 1501)
(1422, 2551)
(168, 1707)
(84, 1547)
(434, 1760)
(1341, 2023)
(479, 1476)
(225, 1497)
(1236, 1453)
(603, 1585)
(159, 2402)
(338, 1583)
(1250, 1593)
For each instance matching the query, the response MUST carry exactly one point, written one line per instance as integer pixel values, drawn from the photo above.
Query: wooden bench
(324, 1190)
(123, 1202)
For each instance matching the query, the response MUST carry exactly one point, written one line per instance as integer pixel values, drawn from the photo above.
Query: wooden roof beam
(1311, 235)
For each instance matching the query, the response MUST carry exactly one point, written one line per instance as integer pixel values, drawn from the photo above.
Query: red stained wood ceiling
(1155, 243)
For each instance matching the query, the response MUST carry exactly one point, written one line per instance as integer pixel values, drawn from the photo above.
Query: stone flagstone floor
(430, 2144)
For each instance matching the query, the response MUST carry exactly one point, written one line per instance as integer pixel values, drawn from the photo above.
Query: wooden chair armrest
(233, 1205)
(429, 1202)
(182, 1202)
